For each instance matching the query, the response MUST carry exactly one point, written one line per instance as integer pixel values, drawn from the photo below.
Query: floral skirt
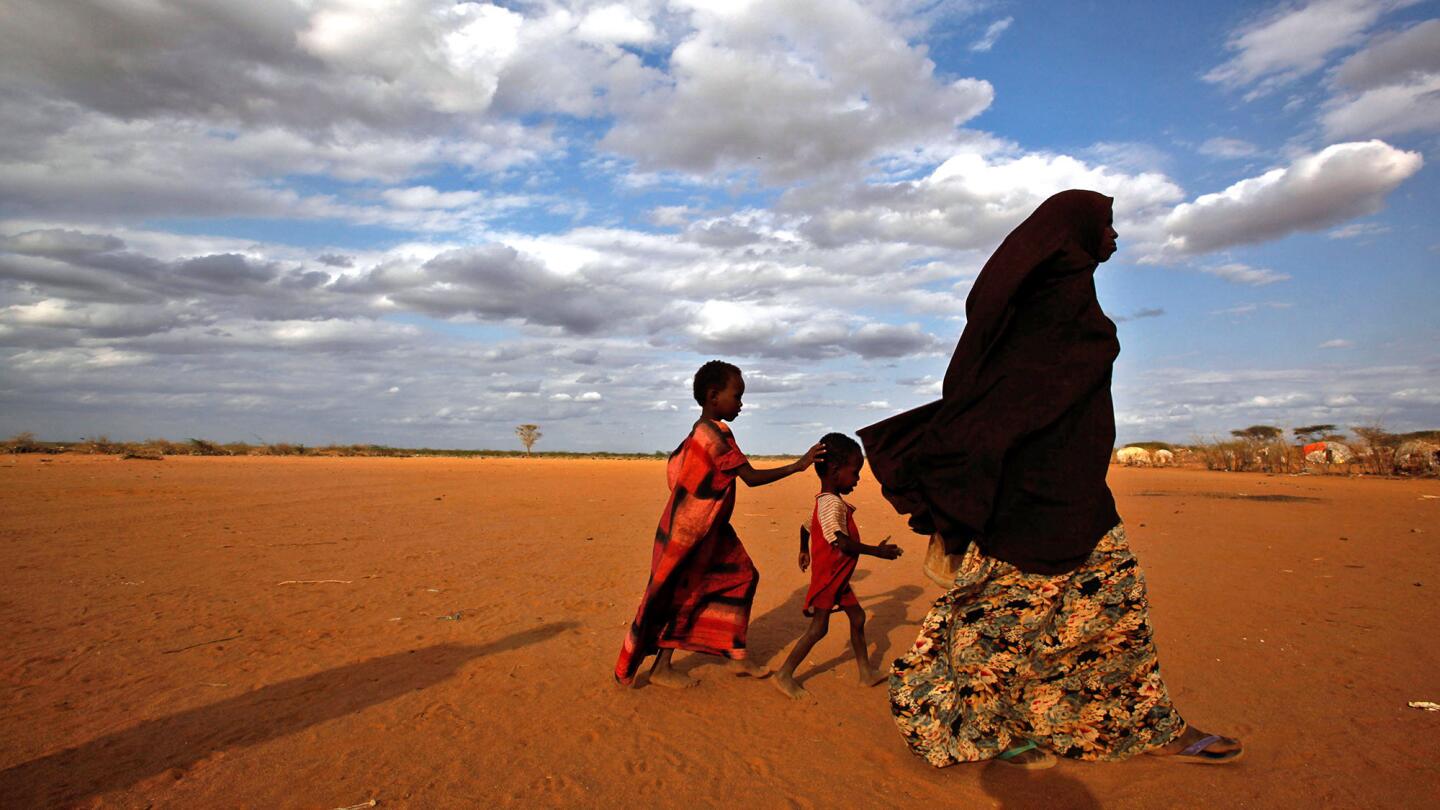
(1066, 661)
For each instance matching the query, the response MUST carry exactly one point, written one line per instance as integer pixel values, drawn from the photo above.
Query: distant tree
(1308, 433)
(1258, 433)
(529, 434)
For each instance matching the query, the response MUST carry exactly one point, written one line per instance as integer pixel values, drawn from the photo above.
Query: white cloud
(1294, 41)
(615, 25)
(1396, 109)
(791, 90)
(1338, 343)
(1357, 230)
(1228, 148)
(429, 197)
(1316, 191)
(970, 201)
(991, 35)
(1237, 273)
(1393, 58)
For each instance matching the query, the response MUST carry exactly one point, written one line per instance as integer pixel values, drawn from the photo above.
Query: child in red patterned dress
(702, 581)
(835, 547)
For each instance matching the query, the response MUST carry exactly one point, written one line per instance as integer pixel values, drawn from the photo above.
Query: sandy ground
(154, 656)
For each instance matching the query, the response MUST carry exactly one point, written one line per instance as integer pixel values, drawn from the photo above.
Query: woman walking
(1042, 644)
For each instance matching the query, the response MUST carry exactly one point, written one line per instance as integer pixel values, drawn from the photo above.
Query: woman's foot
(786, 683)
(1194, 745)
(1028, 756)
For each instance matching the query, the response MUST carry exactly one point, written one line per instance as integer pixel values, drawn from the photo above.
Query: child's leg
(868, 675)
(785, 679)
(663, 674)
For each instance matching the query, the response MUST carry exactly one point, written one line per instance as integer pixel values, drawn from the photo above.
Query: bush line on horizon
(1259, 448)
(159, 448)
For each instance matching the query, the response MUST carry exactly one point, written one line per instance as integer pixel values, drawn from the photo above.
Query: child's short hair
(839, 449)
(713, 376)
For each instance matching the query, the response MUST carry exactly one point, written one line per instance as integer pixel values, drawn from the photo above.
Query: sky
(425, 222)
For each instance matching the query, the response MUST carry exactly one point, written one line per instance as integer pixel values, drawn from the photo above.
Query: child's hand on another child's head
(804, 561)
(889, 550)
(812, 455)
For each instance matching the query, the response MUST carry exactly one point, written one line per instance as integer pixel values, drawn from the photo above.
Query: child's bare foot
(745, 668)
(869, 676)
(671, 678)
(787, 684)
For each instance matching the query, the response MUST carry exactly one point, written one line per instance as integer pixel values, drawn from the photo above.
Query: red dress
(702, 582)
(830, 568)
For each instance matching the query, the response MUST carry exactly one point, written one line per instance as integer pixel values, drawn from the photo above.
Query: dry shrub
(98, 445)
(201, 447)
(143, 452)
(23, 443)
(1377, 449)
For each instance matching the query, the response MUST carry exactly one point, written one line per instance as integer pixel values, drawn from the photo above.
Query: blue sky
(421, 222)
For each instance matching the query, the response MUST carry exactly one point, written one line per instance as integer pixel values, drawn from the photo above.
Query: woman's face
(1107, 242)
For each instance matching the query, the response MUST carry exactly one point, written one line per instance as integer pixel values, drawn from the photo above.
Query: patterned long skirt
(1066, 661)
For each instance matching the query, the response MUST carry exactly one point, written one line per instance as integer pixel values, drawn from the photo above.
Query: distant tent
(1164, 458)
(1328, 453)
(1133, 456)
(1418, 456)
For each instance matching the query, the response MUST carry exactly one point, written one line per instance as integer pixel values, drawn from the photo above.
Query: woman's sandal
(1198, 752)
(1040, 763)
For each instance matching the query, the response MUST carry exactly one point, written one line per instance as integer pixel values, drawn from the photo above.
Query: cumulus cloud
(1314, 192)
(1338, 343)
(1396, 57)
(790, 90)
(1391, 87)
(970, 201)
(1395, 109)
(1293, 41)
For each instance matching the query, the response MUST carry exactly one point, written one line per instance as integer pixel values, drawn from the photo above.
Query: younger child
(835, 547)
(702, 583)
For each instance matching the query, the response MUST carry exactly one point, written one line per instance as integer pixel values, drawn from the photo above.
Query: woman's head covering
(1062, 237)
(1015, 452)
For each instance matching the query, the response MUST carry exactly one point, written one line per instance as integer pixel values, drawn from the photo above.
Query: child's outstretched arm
(759, 478)
(885, 550)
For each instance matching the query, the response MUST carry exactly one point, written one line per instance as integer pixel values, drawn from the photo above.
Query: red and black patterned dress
(702, 582)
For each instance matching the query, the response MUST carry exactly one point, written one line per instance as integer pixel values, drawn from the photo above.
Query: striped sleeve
(833, 514)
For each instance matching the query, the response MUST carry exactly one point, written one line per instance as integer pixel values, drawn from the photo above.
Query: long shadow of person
(769, 634)
(127, 757)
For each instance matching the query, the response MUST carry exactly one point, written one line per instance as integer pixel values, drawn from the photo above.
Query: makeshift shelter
(1133, 456)
(1418, 456)
(1328, 453)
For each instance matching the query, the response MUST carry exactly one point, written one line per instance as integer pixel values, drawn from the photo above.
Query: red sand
(151, 657)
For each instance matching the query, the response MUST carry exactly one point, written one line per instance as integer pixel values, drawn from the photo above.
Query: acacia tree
(529, 434)
(1308, 433)
(1259, 433)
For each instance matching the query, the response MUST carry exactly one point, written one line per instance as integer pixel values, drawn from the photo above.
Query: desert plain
(440, 632)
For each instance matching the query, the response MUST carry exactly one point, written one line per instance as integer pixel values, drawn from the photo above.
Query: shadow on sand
(771, 634)
(1017, 789)
(178, 741)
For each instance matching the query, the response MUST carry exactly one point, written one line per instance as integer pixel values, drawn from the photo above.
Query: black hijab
(1014, 454)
